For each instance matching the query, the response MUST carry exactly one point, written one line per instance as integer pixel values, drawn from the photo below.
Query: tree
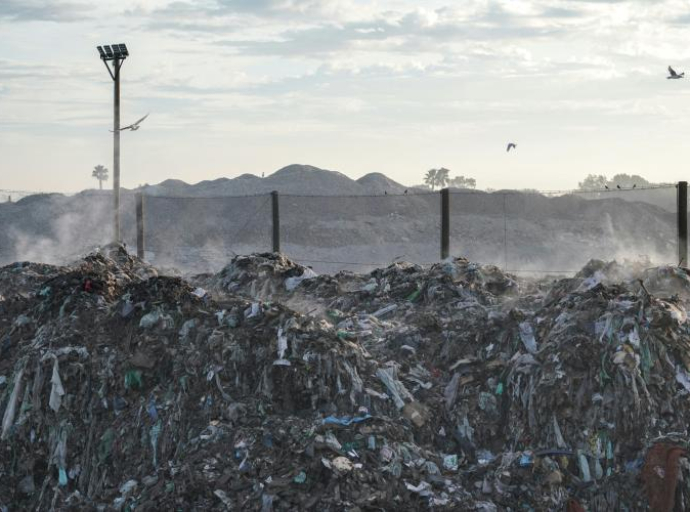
(436, 178)
(593, 182)
(462, 182)
(101, 174)
(442, 177)
(430, 178)
(625, 181)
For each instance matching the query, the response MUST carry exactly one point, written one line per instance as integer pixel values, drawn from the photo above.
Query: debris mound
(268, 387)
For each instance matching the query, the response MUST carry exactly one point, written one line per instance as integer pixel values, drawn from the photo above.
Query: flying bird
(673, 75)
(511, 146)
(134, 126)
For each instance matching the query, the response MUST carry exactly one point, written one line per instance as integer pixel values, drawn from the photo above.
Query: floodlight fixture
(113, 51)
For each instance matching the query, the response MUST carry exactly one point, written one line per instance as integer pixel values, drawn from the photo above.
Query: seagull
(134, 126)
(511, 146)
(673, 75)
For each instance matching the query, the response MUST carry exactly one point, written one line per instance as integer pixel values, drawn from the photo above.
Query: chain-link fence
(202, 233)
(360, 233)
(519, 231)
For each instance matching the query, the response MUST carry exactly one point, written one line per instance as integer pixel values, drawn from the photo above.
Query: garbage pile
(21, 278)
(450, 387)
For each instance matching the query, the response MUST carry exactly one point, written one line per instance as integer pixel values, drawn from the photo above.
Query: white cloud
(249, 74)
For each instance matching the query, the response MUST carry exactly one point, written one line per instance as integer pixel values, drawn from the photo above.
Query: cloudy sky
(237, 86)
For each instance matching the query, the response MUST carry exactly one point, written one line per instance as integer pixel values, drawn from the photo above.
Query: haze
(353, 86)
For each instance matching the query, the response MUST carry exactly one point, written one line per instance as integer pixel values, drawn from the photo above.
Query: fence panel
(634, 223)
(527, 232)
(359, 233)
(477, 226)
(201, 234)
(53, 228)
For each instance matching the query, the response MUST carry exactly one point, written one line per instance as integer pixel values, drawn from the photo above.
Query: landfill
(267, 387)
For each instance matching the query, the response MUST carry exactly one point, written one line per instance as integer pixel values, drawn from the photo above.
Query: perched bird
(618, 187)
(385, 192)
(511, 146)
(635, 185)
(606, 187)
(134, 126)
(405, 191)
(673, 75)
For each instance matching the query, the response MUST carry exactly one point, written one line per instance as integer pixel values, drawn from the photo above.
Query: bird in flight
(134, 126)
(673, 75)
(511, 145)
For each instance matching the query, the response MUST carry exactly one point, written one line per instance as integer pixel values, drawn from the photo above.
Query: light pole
(116, 55)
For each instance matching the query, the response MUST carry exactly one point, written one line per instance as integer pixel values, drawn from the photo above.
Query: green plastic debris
(414, 295)
(352, 445)
(450, 462)
(106, 445)
(334, 315)
(300, 478)
(499, 388)
(133, 379)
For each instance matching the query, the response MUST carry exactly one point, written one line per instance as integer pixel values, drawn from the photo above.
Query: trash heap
(22, 278)
(267, 387)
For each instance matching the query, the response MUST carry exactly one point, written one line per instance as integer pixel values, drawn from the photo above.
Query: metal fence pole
(140, 225)
(445, 223)
(116, 153)
(683, 223)
(276, 221)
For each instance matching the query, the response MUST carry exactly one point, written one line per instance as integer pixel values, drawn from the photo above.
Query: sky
(391, 86)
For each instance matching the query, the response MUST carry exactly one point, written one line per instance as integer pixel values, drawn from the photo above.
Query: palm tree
(101, 174)
(442, 177)
(430, 178)
(437, 178)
